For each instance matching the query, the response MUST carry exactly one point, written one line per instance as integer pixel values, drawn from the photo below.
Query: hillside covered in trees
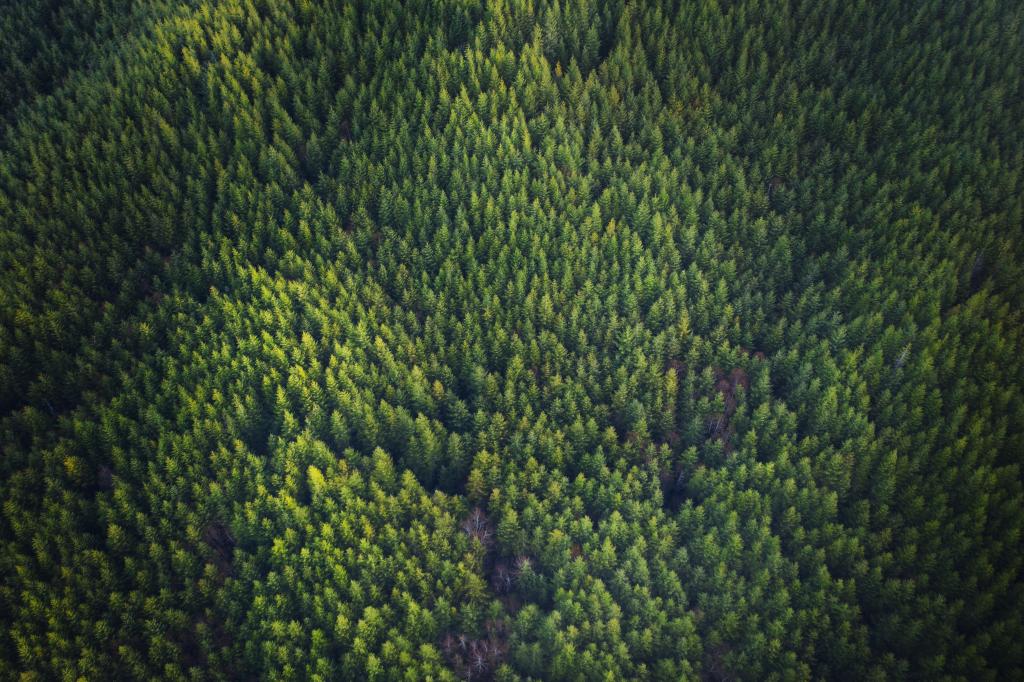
(511, 340)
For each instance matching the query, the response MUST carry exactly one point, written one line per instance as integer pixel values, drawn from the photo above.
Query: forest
(511, 340)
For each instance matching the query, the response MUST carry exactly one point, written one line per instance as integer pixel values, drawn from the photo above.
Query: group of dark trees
(511, 340)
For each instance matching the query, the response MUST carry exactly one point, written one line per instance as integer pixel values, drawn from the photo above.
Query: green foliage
(511, 340)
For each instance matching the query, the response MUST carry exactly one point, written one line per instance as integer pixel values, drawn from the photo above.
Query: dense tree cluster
(514, 340)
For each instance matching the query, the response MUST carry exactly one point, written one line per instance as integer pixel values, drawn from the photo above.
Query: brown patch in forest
(634, 438)
(477, 658)
(753, 353)
(192, 653)
(678, 365)
(672, 438)
(719, 424)
(104, 477)
(219, 538)
(478, 527)
(714, 663)
(503, 577)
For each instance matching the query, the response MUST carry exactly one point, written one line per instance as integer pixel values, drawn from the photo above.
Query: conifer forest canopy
(511, 340)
